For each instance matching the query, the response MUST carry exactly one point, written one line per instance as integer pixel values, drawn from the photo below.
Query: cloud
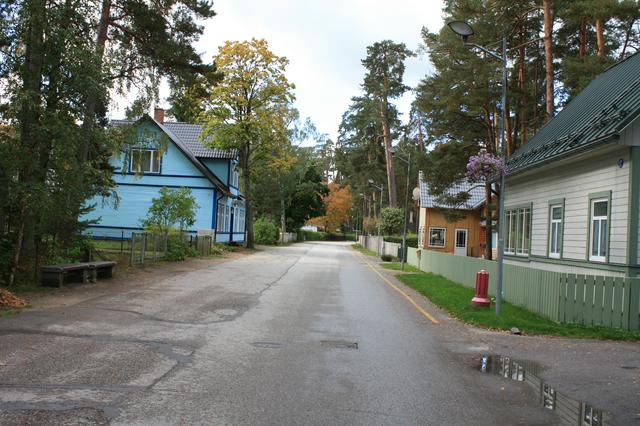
(325, 42)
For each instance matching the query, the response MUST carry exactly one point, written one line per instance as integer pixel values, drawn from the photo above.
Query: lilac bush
(484, 166)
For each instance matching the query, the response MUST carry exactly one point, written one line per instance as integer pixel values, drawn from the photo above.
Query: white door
(460, 248)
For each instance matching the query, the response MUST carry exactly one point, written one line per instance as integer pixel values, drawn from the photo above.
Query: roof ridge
(619, 62)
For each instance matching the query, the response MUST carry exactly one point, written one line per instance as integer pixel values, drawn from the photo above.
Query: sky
(324, 42)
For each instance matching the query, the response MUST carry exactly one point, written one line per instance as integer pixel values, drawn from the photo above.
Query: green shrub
(350, 236)
(386, 258)
(412, 241)
(323, 236)
(178, 248)
(265, 231)
(391, 220)
(78, 251)
(218, 249)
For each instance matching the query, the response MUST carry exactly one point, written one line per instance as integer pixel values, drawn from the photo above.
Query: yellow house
(464, 237)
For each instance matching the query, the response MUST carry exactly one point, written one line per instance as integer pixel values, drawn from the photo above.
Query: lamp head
(461, 28)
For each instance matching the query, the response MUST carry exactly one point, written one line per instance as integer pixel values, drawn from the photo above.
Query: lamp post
(465, 30)
(407, 161)
(364, 206)
(381, 188)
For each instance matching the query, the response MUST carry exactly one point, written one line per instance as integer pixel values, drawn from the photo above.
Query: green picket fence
(594, 300)
(582, 299)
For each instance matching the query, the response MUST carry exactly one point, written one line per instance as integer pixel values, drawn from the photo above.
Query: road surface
(304, 334)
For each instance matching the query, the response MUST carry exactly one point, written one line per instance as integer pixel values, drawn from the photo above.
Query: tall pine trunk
(391, 177)
(92, 97)
(583, 37)
(29, 116)
(524, 102)
(548, 53)
(420, 135)
(247, 194)
(600, 36)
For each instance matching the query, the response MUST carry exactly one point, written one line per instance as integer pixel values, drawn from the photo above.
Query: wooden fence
(582, 299)
(378, 245)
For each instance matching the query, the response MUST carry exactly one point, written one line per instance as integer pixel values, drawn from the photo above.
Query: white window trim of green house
(594, 198)
(554, 245)
(518, 230)
(444, 236)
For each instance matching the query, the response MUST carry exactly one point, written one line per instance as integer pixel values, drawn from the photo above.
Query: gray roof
(189, 135)
(475, 190)
(595, 116)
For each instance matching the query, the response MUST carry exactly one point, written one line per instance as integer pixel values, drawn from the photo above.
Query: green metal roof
(596, 116)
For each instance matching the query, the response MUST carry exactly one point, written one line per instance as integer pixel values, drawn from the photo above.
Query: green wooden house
(573, 190)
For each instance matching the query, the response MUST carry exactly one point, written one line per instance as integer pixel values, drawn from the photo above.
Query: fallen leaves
(10, 301)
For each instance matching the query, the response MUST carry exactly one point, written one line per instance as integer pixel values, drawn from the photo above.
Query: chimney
(158, 115)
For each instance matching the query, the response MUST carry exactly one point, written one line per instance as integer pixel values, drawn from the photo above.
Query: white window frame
(238, 223)
(521, 217)
(154, 161)
(235, 177)
(444, 237)
(557, 223)
(600, 219)
(224, 218)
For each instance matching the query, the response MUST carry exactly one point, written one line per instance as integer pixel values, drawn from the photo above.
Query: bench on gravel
(87, 271)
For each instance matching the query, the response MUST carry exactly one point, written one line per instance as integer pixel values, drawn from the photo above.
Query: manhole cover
(268, 345)
(341, 344)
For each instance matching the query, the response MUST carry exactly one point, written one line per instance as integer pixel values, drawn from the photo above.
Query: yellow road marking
(405, 295)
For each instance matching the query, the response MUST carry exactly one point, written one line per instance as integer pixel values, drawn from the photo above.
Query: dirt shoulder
(124, 279)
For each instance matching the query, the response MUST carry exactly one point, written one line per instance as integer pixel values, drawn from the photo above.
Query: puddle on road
(570, 410)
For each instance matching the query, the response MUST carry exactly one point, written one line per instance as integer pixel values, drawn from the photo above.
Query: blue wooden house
(171, 154)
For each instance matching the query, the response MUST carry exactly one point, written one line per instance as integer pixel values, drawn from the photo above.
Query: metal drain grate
(340, 344)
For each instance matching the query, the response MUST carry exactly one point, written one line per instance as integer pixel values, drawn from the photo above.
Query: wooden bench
(87, 271)
(103, 269)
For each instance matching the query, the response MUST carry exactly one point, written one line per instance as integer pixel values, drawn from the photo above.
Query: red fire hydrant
(482, 289)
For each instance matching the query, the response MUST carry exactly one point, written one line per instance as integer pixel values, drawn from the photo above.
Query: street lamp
(465, 30)
(407, 161)
(364, 207)
(381, 188)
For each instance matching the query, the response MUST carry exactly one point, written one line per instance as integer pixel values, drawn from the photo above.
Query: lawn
(395, 266)
(364, 250)
(455, 299)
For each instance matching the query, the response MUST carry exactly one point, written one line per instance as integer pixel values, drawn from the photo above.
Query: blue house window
(238, 223)
(145, 161)
(224, 218)
(234, 178)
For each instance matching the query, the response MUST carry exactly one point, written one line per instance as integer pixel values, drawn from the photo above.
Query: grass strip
(364, 251)
(456, 299)
(395, 266)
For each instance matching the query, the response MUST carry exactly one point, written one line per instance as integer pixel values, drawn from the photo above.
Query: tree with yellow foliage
(251, 109)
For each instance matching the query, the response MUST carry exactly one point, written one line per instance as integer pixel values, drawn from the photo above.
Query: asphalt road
(305, 334)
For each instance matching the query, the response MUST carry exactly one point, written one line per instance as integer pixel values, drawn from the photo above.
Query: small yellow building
(464, 237)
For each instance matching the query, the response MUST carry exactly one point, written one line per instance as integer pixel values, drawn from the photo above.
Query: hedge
(411, 241)
(324, 236)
